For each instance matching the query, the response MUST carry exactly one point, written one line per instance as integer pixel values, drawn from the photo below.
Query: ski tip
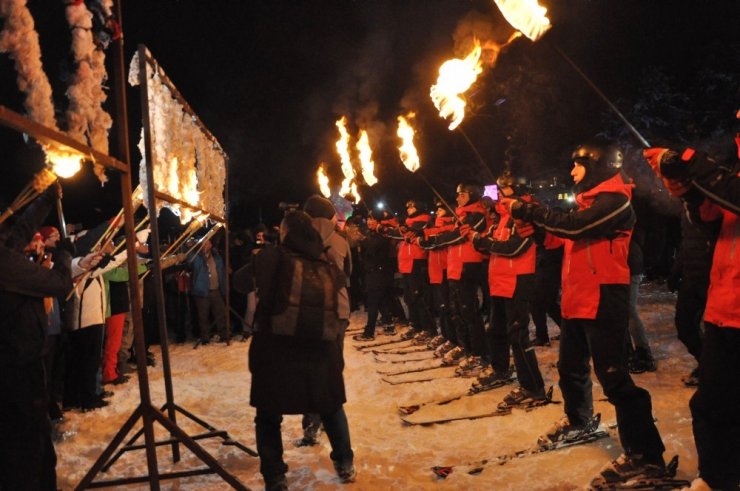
(672, 466)
(406, 410)
(442, 471)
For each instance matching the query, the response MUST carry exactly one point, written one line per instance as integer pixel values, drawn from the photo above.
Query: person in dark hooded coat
(291, 375)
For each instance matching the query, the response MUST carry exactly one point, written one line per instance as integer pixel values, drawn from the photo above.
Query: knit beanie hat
(47, 232)
(319, 207)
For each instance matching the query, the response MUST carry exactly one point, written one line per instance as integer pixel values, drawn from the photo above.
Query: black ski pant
(690, 303)
(441, 295)
(603, 340)
(378, 296)
(417, 297)
(715, 408)
(470, 333)
(84, 358)
(509, 328)
(546, 300)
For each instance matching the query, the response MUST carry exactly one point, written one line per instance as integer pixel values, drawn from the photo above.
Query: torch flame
(526, 16)
(323, 180)
(343, 149)
(455, 77)
(355, 193)
(409, 155)
(366, 158)
(64, 163)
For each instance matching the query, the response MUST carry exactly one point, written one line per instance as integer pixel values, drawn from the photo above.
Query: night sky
(270, 78)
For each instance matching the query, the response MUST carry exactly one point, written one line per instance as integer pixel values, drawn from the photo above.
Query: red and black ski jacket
(408, 249)
(438, 257)
(511, 255)
(597, 236)
(460, 250)
(723, 296)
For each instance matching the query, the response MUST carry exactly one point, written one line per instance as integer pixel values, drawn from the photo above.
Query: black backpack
(305, 304)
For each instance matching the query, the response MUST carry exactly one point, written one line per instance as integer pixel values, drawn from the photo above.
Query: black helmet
(474, 189)
(420, 206)
(602, 160)
(518, 185)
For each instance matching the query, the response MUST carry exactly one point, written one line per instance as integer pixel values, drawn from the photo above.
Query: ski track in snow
(212, 382)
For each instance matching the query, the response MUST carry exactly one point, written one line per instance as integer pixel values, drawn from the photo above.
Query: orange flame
(64, 163)
(323, 181)
(526, 16)
(343, 151)
(409, 155)
(366, 158)
(455, 77)
(343, 148)
(355, 193)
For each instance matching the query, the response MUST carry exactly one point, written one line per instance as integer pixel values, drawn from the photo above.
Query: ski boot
(626, 468)
(490, 379)
(469, 366)
(443, 349)
(453, 356)
(362, 337)
(521, 397)
(436, 342)
(642, 361)
(409, 334)
(422, 338)
(562, 430)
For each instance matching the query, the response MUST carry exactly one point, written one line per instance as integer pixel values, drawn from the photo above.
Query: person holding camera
(295, 356)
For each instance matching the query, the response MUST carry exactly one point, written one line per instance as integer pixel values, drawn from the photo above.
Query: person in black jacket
(690, 278)
(27, 457)
(377, 254)
(291, 375)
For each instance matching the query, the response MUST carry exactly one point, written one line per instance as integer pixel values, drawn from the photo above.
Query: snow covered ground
(212, 382)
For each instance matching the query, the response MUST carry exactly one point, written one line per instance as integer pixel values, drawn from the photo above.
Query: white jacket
(91, 292)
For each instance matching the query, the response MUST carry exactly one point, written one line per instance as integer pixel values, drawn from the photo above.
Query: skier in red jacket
(595, 309)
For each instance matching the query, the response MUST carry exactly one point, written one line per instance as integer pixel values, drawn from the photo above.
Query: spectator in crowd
(27, 457)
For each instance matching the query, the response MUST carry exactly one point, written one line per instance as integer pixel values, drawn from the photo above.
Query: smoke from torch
(323, 181)
(407, 149)
(366, 158)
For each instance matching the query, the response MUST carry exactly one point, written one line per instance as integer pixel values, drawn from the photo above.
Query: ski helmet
(474, 189)
(602, 160)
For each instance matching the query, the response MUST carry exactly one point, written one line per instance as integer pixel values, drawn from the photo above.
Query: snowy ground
(212, 382)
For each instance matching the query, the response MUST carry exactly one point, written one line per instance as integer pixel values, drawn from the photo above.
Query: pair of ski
(590, 433)
(414, 418)
(593, 431)
(476, 389)
(405, 359)
(416, 369)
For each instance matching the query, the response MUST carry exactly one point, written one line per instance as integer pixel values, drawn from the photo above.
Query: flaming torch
(343, 151)
(323, 181)
(456, 76)
(526, 16)
(409, 155)
(530, 18)
(61, 162)
(366, 158)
